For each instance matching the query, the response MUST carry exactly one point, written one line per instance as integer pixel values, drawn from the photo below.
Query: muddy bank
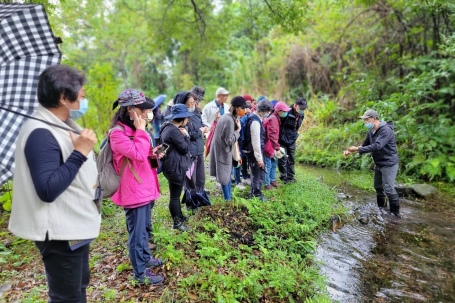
(375, 257)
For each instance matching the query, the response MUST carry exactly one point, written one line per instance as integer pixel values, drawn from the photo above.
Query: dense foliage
(345, 56)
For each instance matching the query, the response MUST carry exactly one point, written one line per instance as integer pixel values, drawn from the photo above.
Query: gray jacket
(382, 145)
(223, 140)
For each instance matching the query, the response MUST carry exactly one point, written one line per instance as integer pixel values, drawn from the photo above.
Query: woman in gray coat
(227, 132)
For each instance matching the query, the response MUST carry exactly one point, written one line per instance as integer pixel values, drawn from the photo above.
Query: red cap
(248, 97)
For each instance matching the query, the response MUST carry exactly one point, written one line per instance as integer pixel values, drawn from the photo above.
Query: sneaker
(293, 180)
(274, 184)
(269, 187)
(148, 278)
(246, 181)
(240, 186)
(152, 263)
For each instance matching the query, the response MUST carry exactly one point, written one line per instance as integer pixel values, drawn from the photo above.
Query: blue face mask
(83, 107)
(284, 115)
(301, 111)
(369, 125)
(266, 115)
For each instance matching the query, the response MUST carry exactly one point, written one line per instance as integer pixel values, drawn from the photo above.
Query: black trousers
(175, 208)
(286, 164)
(67, 271)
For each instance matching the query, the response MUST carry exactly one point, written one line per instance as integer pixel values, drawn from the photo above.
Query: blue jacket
(382, 145)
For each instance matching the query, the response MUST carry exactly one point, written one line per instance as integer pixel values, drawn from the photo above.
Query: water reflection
(388, 260)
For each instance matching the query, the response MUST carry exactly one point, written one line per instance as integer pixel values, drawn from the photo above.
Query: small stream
(388, 259)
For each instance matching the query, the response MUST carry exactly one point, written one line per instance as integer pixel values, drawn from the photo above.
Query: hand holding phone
(162, 149)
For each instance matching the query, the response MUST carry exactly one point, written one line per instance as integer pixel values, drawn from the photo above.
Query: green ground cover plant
(245, 251)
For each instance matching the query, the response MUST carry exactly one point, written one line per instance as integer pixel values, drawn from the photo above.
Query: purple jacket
(136, 146)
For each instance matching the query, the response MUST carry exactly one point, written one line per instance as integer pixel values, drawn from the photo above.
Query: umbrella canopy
(159, 100)
(27, 47)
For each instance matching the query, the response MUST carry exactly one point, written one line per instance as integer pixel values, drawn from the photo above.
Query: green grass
(208, 264)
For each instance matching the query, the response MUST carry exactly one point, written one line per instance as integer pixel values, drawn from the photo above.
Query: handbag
(236, 158)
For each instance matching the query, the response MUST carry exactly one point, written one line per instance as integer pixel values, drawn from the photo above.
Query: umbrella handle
(44, 121)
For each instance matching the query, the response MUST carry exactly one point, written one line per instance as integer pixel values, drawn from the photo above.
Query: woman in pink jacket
(272, 128)
(139, 186)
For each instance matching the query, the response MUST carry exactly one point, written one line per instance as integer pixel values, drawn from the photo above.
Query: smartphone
(163, 149)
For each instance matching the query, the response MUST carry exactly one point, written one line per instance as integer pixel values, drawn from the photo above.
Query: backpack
(108, 179)
(243, 122)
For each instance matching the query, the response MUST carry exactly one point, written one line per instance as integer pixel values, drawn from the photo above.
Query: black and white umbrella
(27, 47)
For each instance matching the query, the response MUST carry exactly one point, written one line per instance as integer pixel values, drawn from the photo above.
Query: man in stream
(380, 142)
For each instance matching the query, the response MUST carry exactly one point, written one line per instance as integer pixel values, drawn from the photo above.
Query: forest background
(343, 56)
(397, 57)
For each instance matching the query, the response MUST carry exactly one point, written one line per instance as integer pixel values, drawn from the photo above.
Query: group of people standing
(54, 160)
(250, 138)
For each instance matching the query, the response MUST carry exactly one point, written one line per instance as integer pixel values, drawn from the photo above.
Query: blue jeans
(226, 189)
(270, 174)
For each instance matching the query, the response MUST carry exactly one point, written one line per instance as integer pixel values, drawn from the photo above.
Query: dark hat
(371, 113)
(146, 105)
(198, 93)
(265, 106)
(181, 97)
(301, 102)
(178, 111)
(239, 101)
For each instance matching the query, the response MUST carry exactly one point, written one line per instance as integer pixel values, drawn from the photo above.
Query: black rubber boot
(382, 201)
(394, 202)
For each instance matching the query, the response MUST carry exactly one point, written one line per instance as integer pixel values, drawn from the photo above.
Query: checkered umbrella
(27, 47)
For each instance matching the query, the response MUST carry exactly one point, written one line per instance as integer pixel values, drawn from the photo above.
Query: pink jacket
(130, 193)
(272, 128)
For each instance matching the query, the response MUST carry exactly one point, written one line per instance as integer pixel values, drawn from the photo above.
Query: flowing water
(385, 259)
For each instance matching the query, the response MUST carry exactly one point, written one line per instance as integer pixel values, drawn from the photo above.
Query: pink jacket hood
(136, 146)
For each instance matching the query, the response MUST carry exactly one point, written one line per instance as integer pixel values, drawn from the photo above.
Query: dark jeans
(67, 271)
(138, 224)
(237, 171)
(175, 190)
(257, 179)
(286, 164)
(245, 173)
(384, 180)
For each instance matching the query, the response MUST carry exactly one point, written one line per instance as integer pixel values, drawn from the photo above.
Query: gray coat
(223, 140)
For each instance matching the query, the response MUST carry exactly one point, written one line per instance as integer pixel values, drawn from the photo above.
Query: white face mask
(191, 109)
(150, 116)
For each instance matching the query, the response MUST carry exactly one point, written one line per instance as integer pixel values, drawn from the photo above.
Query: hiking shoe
(292, 180)
(181, 227)
(247, 181)
(152, 263)
(240, 186)
(274, 184)
(269, 187)
(148, 278)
